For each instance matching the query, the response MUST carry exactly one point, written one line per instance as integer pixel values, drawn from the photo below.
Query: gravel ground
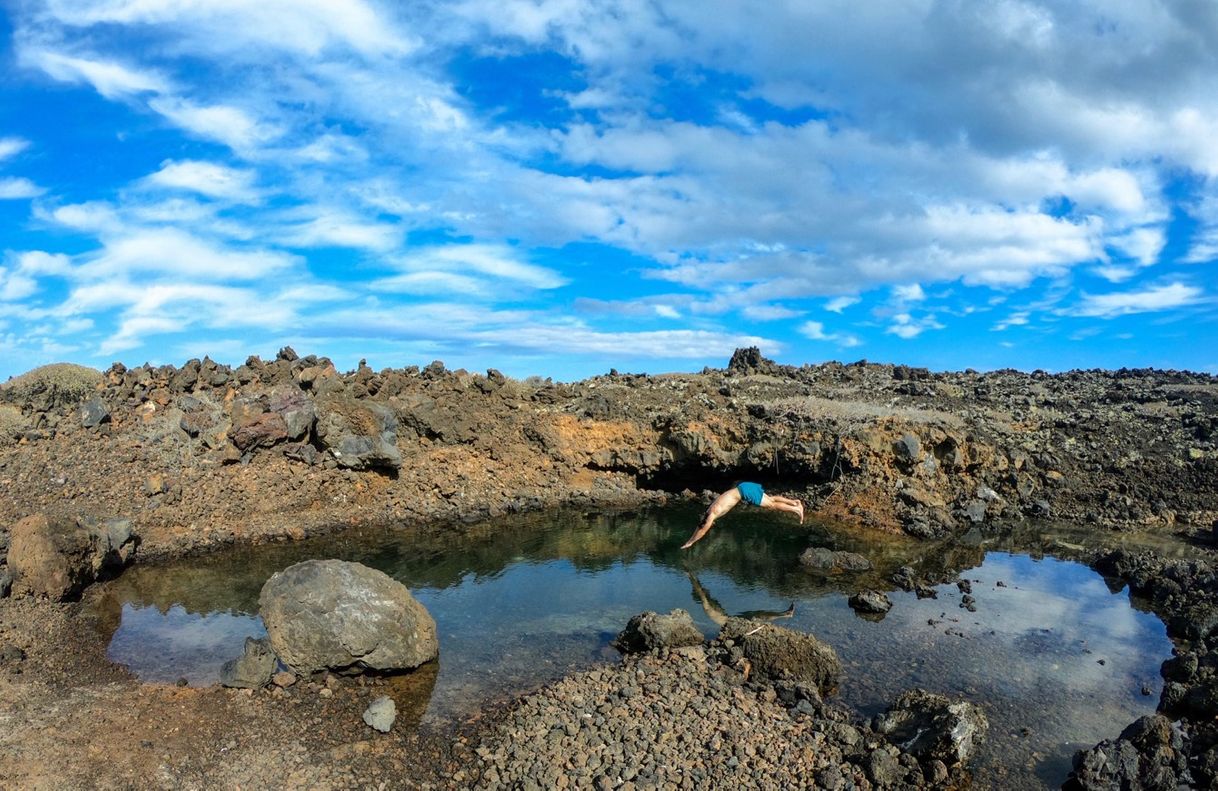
(677, 720)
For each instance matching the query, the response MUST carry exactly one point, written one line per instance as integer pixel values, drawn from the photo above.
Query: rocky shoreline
(201, 456)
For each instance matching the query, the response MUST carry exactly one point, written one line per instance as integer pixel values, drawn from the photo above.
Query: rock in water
(649, 631)
(932, 727)
(335, 615)
(828, 560)
(870, 601)
(381, 713)
(57, 555)
(779, 653)
(251, 670)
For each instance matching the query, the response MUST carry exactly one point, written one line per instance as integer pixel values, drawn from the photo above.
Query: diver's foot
(801, 511)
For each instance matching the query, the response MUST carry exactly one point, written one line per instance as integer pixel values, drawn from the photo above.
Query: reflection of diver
(716, 613)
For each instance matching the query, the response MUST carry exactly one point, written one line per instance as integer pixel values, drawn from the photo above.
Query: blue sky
(558, 187)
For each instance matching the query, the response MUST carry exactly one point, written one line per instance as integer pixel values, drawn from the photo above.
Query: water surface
(1058, 659)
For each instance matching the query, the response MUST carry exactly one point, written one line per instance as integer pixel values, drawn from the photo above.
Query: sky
(561, 187)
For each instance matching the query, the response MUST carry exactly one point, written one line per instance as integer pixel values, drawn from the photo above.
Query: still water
(1057, 658)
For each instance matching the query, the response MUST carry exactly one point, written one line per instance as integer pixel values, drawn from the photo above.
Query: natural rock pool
(1057, 659)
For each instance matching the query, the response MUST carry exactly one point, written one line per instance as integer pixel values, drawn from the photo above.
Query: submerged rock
(58, 555)
(336, 615)
(784, 654)
(253, 669)
(829, 560)
(649, 631)
(932, 727)
(381, 713)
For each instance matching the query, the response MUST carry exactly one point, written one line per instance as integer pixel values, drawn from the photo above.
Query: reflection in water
(523, 601)
(714, 610)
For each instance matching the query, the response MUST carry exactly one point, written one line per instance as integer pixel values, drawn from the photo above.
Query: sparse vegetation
(51, 386)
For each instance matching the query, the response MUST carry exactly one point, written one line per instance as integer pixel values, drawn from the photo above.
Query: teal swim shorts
(751, 493)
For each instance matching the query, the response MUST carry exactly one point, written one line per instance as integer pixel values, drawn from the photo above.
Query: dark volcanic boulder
(359, 434)
(934, 728)
(1147, 755)
(57, 555)
(784, 654)
(827, 560)
(93, 413)
(253, 669)
(649, 631)
(331, 614)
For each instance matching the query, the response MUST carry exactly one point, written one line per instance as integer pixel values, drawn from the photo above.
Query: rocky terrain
(195, 457)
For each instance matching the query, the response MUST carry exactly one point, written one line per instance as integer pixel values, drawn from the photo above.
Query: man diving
(751, 493)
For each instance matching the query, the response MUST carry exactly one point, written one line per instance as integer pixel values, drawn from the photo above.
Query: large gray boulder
(56, 555)
(335, 615)
(649, 631)
(361, 435)
(933, 727)
(784, 654)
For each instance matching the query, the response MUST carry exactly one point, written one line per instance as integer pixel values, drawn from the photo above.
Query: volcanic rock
(360, 435)
(649, 631)
(784, 654)
(869, 601)
(336, 615)
(253, 669)
(932, 727)
(57, 555)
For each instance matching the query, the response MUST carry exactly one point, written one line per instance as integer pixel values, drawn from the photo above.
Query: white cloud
(338, 229)
(908, 293)
(112, 80)
(226, 124)
(498, 262)
(838, 304)
(767, 312)
(815, 330)
(92, 216)
(305, 27)
(37, 262)
(908, 327)
(11, 146)
(1143, 245)
(17, 188)
(205, 178)
(1155, 298)
(169, 251)
(1017, 319)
